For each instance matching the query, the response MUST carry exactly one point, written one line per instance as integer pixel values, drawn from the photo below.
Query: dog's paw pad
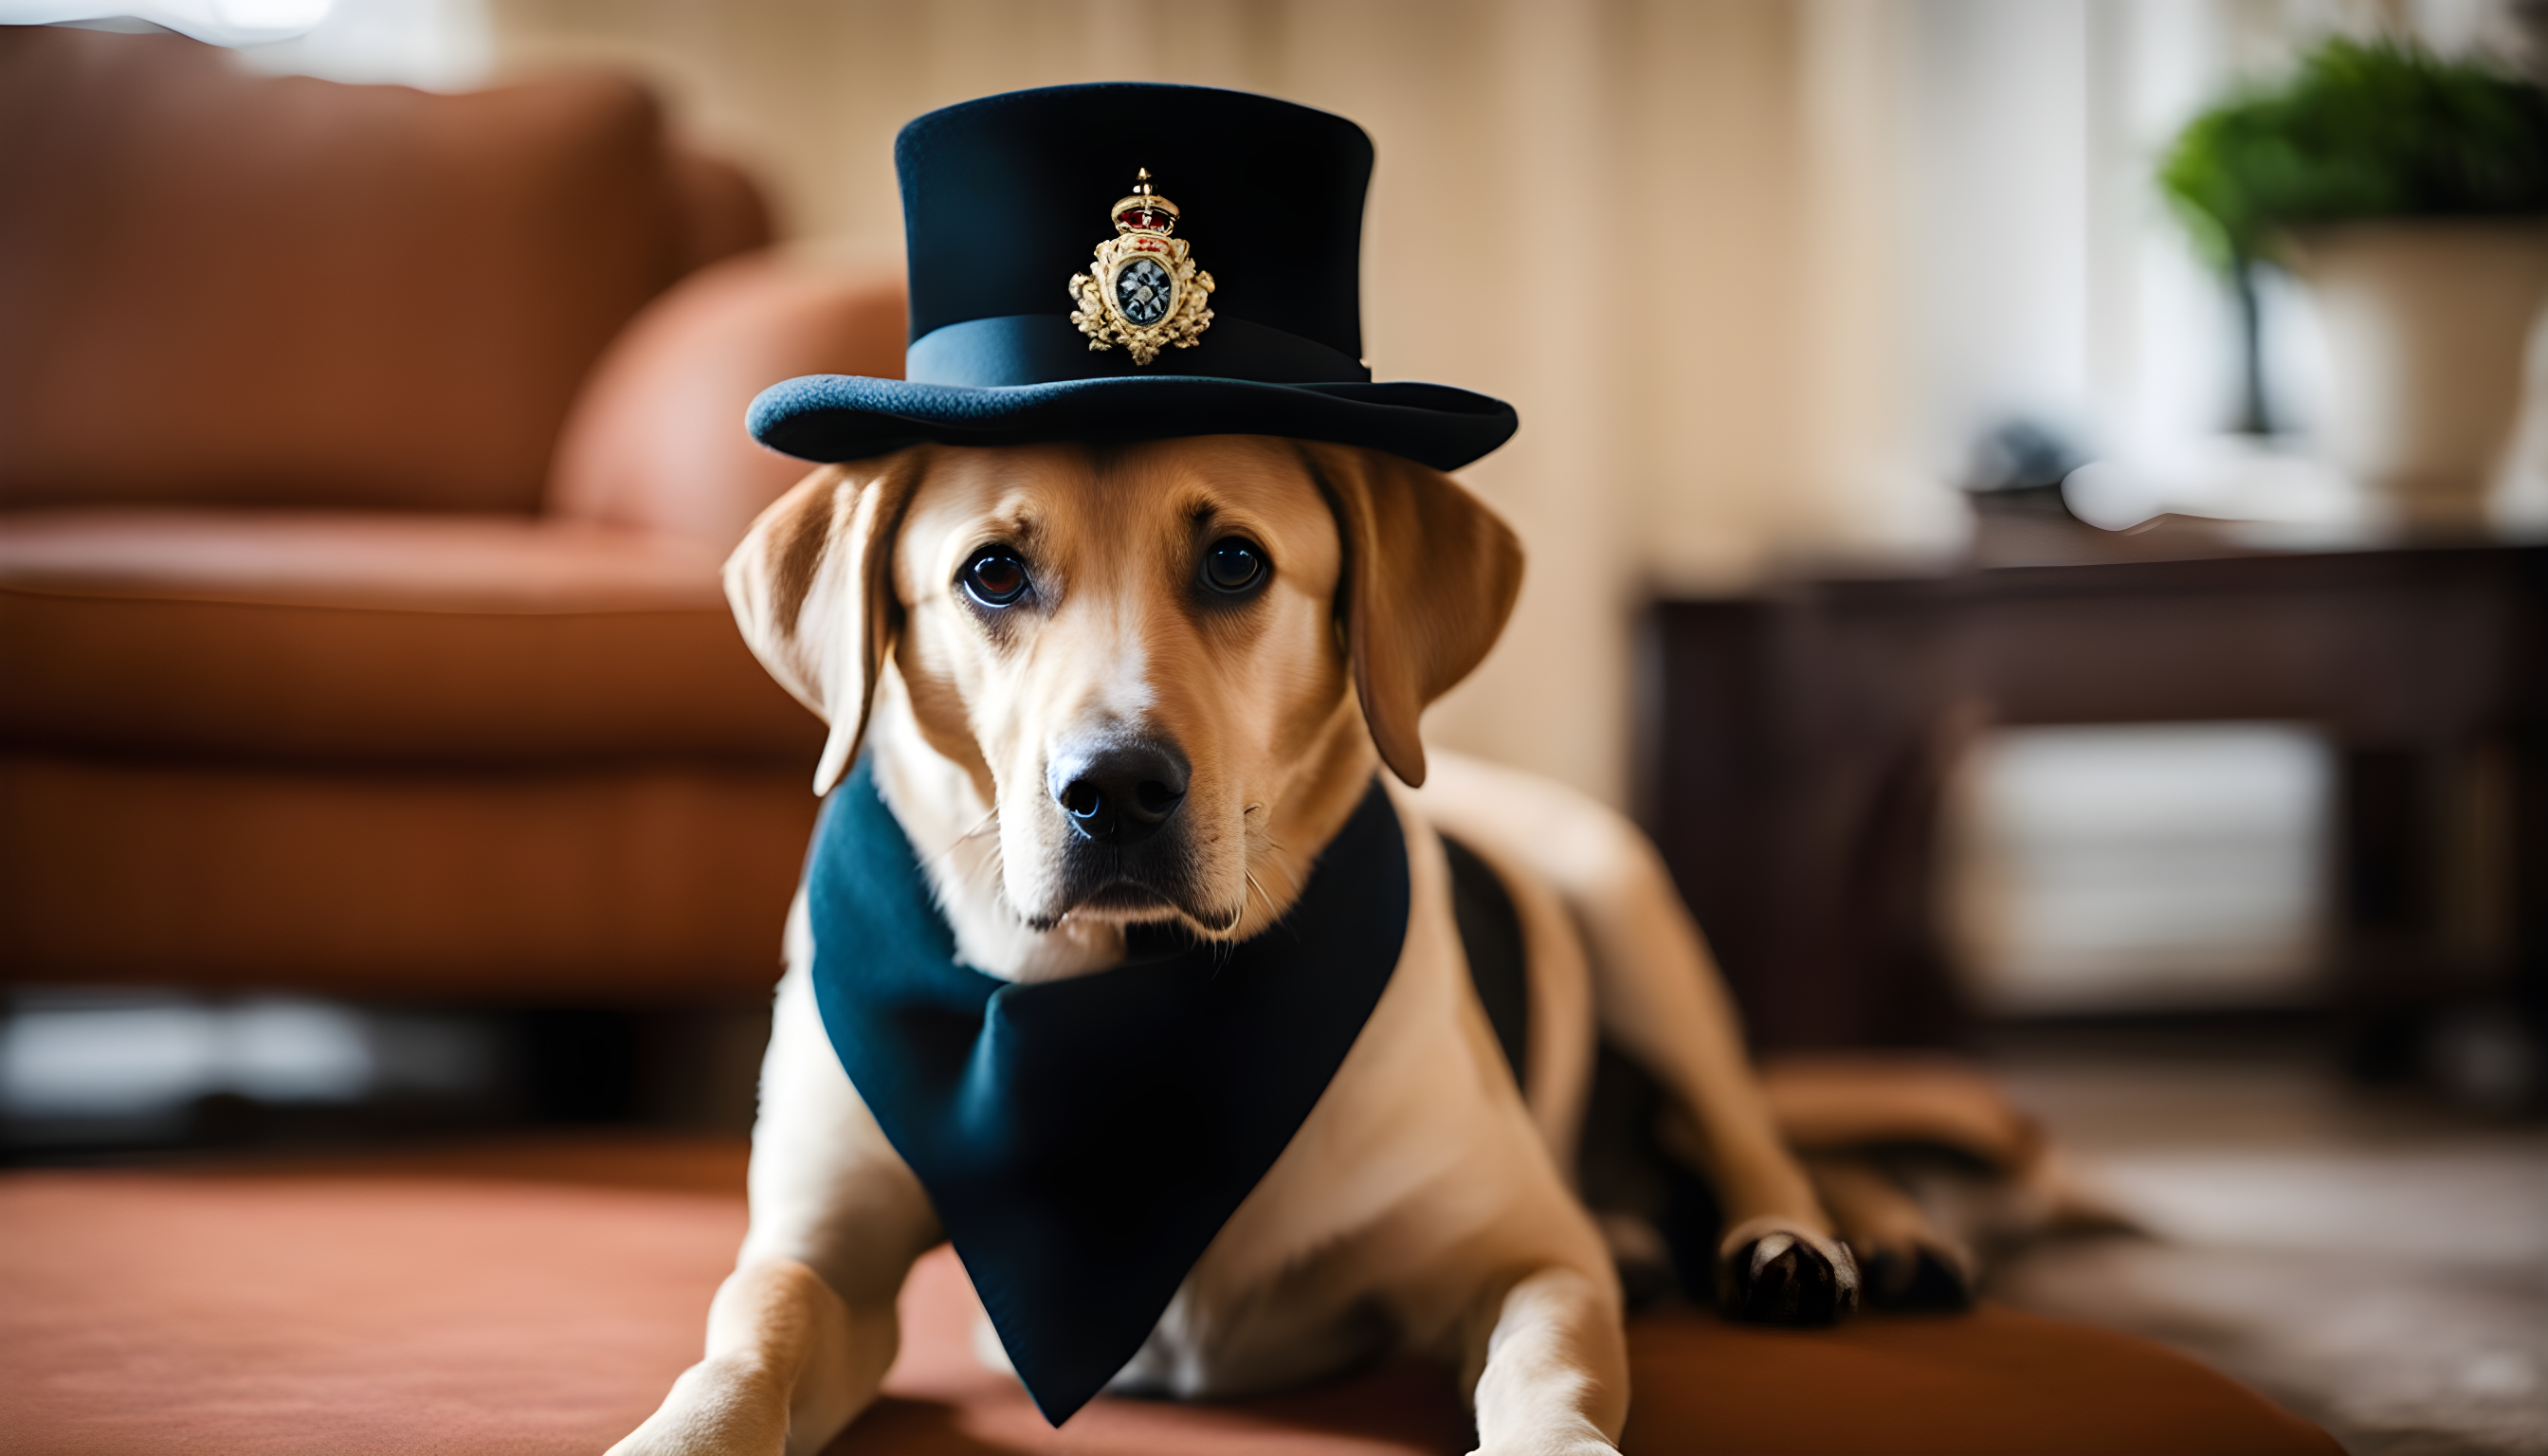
(1917, 1277)
(1786, 1278)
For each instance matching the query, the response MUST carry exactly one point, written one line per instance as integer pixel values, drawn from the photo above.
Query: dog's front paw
(1575, 1437)
(716, 1409)
(1769, 1271)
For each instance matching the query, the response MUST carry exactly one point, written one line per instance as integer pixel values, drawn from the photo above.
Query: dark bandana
(1084, 1139)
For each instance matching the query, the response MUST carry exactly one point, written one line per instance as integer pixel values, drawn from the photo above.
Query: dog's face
(1146, 656)
(1133, 650)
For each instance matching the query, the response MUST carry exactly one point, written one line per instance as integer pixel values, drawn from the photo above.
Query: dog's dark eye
(994, 577)
(1232, 565)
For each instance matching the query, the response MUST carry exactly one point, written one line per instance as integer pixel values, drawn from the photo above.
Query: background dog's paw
(1773, 1273)
(1915, 1275)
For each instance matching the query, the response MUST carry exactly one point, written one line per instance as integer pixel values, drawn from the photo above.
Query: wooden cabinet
(1796, 743)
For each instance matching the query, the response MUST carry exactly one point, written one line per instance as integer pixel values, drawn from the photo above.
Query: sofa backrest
(223, 288)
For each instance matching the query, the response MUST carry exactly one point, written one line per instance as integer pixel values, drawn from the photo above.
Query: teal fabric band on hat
(1039, 348)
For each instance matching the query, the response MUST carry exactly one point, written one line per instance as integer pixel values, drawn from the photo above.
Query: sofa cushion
(542, 1299)
(376, 639)
(222, 287)
(605, 885)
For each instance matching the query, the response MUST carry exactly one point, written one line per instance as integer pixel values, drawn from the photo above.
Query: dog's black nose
(1121, 793)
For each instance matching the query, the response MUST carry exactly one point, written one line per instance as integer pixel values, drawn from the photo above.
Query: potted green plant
(2410, 194)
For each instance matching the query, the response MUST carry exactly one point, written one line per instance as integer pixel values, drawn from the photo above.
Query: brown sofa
(362, 489)
(365, 460)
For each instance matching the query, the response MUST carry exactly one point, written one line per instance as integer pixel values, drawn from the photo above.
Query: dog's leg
(1547, 1365)
(1908, 1263)
(774, 1331)
(801, 1334)
(1659, 1001)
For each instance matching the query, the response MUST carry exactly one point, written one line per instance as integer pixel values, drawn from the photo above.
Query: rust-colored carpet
(538, 1299)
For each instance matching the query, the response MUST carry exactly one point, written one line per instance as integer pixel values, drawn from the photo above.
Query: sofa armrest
(656, 440)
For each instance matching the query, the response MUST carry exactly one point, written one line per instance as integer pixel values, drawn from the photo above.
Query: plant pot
(2425, 321)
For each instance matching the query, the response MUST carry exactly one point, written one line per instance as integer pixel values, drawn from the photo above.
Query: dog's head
(1154, 660)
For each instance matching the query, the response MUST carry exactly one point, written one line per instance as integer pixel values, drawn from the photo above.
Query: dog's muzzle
(1122, 793)
(1130, 851)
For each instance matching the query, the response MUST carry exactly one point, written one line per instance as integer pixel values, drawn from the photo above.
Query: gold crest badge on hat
(1145, 293)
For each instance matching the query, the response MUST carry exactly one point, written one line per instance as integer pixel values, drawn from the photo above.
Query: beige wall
(1662, 230)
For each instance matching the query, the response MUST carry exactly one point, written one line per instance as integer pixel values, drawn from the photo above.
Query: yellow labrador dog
(1212, 645)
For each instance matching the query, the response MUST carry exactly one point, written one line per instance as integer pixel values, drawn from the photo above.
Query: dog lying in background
(1109, 687)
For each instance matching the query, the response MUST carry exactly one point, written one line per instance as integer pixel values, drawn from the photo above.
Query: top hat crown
(1234, 310)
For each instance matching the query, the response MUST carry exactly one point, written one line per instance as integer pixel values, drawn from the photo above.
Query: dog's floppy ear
(812, 587)
(1429, 577)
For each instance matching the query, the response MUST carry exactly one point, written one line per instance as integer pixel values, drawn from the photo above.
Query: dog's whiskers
(1277, 860)
(991, 863)
(988, 821)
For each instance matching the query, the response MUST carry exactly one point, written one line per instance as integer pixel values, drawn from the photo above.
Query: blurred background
(1965, 579)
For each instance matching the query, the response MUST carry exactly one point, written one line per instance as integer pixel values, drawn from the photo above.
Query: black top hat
(1130, 261)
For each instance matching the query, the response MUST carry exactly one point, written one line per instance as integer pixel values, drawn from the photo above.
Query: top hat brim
(831, 417)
